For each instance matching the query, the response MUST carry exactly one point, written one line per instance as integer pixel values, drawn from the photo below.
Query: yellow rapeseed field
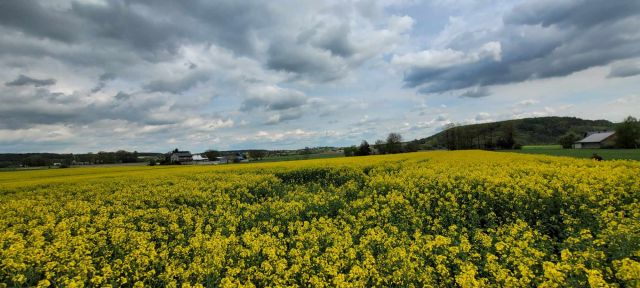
(432, 219)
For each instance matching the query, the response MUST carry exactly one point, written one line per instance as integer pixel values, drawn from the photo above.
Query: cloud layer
(114, 74)
(537, 39)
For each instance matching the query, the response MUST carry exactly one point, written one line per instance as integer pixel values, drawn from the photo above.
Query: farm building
(595, 140)
(237, 158)
(182, 157)
(200, 159)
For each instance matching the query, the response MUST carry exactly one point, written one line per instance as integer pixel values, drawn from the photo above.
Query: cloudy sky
(79, 76)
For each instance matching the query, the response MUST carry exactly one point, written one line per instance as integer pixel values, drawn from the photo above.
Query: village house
(182, 157)
(237, 158)
(596, 140)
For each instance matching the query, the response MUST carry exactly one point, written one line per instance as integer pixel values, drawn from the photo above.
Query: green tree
(394, 143)
(412, 146)
(257, 154)
(364, 149)
(568, 139)
(350, 151)
(212, 154)
(628, 133)
(450, 137)
(36, 160)
(508, 136)
(380, 146)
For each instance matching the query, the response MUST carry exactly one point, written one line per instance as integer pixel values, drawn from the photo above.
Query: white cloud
(237, 74)
(291, 134)
(528, 102)
(628, 100)
(482, 116)
(401, 24)
(439, 59)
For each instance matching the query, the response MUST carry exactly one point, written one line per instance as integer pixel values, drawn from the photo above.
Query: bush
(567, 140)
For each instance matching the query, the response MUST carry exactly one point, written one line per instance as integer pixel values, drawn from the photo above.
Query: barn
(596, 140)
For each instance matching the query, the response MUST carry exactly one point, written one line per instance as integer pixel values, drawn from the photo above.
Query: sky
(101, 75)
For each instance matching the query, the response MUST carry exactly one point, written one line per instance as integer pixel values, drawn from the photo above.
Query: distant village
(174, 157)
(177, 157)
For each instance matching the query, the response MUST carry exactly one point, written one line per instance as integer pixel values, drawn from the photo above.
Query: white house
(182, 157)
(200, 159)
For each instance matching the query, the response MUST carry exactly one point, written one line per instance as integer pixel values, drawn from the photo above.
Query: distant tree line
(628, 133)
(479, 137)
(49, 159)
(392, 145)
(528, 131)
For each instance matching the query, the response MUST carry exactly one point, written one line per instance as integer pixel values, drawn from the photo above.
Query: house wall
(609, 142)
(591, 146)
(181, 159)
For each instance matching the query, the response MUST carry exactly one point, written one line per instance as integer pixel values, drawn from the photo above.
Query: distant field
(300, 157)
(527, 147)
(606, 154)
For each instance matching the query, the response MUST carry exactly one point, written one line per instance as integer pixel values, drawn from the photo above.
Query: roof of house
(198, 157)
(596, 137)
(182, 153)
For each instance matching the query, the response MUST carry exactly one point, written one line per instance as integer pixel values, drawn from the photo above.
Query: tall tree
(394, 143)
(364, 149)
(568, 139)
(450, 139)
(380, 146)
(412, 146)
(350, 151)
(628, 133)
(212, 154)
(508, 136)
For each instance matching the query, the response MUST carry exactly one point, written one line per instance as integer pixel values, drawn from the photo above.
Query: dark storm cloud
(334, 39)
(284, 116)
(23, 80)
(540, 39)
(111, 33)
(303, 61)
(39, 106)
(31, 17)
(107, 76)
(322, 53)
(148, 28)
(42, 106)
(177, 85)
(122, 96)
(476, 93)
(581, 13)
(624, 70)
(102, 81)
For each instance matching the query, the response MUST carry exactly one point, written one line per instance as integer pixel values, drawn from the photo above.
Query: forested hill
(527, 131)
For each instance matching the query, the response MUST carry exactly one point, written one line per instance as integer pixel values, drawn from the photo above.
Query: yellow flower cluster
(432, 219)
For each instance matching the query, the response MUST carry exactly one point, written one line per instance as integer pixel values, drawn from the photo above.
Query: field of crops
(467, 219)
(606, 154)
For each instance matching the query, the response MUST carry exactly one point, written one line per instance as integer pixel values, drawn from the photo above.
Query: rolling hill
(527, 131)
